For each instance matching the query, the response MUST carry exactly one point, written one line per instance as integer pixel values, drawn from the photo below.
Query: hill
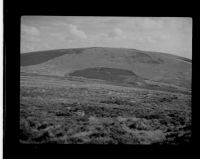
(105, 96)
(149, 66)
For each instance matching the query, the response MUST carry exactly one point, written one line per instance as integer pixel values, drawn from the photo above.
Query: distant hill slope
(34, 58)
(154, 66)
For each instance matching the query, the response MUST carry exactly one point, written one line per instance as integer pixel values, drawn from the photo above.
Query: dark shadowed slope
(108, 74)
(185, 59)
(34, 58)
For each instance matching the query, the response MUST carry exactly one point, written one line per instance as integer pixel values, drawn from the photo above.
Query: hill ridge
(38, 57)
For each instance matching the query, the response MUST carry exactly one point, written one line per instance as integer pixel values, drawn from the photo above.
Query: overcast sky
(169, 35)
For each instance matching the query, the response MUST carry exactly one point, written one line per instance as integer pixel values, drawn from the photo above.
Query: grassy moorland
(33, 58)
(105, 96)
(158, 67)
(87, 114)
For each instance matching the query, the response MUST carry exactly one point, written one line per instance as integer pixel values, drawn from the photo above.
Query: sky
(161, 34)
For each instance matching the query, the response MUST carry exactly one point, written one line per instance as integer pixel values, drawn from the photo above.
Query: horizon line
(106, 47)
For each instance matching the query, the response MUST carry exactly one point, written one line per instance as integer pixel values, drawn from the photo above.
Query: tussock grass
(59, 116)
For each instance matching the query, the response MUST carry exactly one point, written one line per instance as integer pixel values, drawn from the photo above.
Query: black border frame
(12, 14)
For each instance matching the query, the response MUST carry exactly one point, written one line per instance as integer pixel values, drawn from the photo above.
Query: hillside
(150, 66)
(105, 96)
